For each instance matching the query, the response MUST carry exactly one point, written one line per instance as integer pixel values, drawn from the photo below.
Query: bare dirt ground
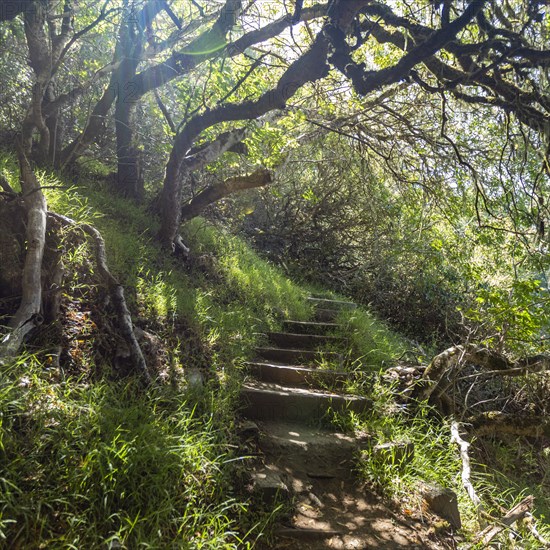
(332, 508)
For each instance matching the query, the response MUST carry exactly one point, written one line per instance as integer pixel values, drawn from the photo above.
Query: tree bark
(28, 315)
(216, 192)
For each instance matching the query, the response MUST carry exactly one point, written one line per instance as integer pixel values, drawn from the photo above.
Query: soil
(331, 507)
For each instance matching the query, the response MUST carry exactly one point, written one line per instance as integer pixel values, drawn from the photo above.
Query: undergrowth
(421, 454)
(90, 461)
(104, 464)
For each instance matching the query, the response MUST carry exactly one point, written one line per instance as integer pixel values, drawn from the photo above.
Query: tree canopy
(448, 97)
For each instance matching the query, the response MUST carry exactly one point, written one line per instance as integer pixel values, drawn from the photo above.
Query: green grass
(373, 344)
(91, 462)
(84, 465)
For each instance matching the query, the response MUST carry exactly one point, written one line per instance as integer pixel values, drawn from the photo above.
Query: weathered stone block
(268, 485)
(443, 502)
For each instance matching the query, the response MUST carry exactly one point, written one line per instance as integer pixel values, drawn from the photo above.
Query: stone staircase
(290, 389)
(288, 380)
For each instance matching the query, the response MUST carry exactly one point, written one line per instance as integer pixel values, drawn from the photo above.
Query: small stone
(443, 502)
(268, 485)
(249, 429)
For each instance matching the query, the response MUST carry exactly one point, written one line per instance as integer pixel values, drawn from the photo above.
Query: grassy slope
(86, 462)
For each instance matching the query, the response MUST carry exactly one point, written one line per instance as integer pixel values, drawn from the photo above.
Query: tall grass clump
(105, 465)
(372, 342)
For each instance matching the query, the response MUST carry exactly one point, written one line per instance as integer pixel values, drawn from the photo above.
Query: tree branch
(216, 192)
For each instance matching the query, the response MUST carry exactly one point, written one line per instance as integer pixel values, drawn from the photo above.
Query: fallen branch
(116, 293)
(466, 468)
(438, 371)
(516, 513)
(493, 422)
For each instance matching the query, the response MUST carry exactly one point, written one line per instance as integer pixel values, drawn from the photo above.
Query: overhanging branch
(216, 192)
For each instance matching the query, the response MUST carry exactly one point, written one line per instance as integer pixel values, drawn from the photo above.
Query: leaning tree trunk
(28, 316)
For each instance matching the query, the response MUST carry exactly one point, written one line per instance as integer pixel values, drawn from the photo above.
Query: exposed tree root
(116, 293)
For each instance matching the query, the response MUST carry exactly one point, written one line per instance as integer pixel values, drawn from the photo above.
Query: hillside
(91, 457)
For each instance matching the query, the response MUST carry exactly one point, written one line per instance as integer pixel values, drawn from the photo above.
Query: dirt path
(312, 468)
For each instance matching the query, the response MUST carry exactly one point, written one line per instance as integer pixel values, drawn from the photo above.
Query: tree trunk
(29, 313)
(94, 127)
(129, 181)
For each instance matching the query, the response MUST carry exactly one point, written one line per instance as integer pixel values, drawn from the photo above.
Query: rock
(268, 485)
(443, 502)
(249, 430)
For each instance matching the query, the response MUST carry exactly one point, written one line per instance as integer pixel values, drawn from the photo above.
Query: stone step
(295, 375)
(268, 401)
(309, 327)
(315, 453)
(298, 356)
(304, 341)
(325, 303)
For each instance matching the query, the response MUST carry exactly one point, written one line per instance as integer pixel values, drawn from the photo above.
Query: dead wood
(116, 294)
(466, 468)
(29, 315)
(436, 376)
(496, 422)
(516, 513)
